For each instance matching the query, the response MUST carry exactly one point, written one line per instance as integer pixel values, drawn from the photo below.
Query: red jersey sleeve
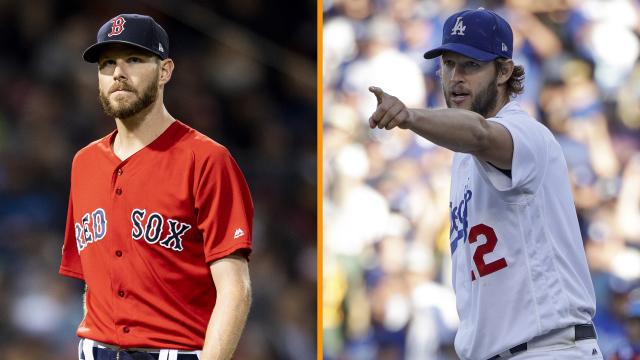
(224, 207)
(70, 265)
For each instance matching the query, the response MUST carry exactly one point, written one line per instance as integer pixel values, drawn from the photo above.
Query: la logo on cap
(117, 26)
(458, 27)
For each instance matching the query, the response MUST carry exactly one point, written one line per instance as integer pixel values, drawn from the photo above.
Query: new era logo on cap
(479, 34)
(140, 31)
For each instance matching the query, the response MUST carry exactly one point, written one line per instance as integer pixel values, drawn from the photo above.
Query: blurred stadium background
(387, 292)
(245, 75)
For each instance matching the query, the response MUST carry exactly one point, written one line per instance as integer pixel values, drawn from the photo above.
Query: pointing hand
(390, 112)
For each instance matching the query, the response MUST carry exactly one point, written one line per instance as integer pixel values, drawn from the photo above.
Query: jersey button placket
(118, 250)
(119, 172)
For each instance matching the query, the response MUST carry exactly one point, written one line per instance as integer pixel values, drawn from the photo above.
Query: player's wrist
(409, 123)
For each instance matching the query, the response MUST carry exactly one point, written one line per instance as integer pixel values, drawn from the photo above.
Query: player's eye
(106, 63)
(134, 59)
(448, 63)
(471, 65)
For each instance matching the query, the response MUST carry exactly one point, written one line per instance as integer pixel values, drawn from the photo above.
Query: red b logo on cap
(117, 26)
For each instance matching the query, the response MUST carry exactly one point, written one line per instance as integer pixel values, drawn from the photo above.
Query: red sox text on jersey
(94, 228)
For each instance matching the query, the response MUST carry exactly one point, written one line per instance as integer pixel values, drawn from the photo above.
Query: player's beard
(142, 101)
(485, 102)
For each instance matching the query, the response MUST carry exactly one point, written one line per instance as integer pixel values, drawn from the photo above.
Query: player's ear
(505, 69)
(166, 69)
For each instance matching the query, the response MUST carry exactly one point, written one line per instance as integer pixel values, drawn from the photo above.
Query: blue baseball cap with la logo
(479, 34)
(136, 30)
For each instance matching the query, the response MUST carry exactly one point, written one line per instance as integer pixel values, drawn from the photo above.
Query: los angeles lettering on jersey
(459, 230)
(459, 223)
(94, 228)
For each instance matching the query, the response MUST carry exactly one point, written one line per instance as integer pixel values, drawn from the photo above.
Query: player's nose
(120, 72)
(455, 73)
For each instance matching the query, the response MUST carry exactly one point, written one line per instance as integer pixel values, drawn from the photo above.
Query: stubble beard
(142, 101)
(485, 101)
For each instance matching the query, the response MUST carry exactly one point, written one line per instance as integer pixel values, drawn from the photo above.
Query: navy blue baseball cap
(137, 30)
(479, 34)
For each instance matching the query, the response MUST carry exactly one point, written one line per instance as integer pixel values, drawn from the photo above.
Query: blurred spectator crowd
(387, 283)
(222, 86)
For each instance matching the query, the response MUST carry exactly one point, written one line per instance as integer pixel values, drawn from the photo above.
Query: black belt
(137, 355)
(583, 332)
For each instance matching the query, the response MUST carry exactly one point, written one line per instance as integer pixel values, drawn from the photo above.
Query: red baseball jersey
(142, 232)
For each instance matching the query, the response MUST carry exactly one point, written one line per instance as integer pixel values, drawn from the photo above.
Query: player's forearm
(227, 322)
(455, 129)
(84, 300)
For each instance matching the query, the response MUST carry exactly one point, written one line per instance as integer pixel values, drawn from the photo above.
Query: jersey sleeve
(224, 207)
(70, 265)
(529, 156)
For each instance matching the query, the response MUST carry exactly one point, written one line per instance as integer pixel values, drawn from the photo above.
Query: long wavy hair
(515, 84)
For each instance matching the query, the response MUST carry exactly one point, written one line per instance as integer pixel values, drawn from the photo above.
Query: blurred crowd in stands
(387, 279)
(227, 85)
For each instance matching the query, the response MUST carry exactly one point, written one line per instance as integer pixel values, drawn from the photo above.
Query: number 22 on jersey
(483, 267)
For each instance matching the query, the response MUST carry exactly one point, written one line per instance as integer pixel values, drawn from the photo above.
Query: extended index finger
(377, 92)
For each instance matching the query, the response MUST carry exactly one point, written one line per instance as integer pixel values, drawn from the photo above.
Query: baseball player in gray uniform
(523, 288)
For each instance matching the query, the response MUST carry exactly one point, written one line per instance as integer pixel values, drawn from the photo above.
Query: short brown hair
(515, 84)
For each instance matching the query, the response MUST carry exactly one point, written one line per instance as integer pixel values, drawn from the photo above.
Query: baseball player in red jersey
(159, 219)
(522, 284)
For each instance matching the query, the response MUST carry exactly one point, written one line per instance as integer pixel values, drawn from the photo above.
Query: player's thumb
(377, 92)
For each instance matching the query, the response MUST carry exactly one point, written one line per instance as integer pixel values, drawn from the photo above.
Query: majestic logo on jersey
(151, 231)
(86, 234)
(459, 222)
(117, 26)
(93, 228)
(459, 27)
(238, 233)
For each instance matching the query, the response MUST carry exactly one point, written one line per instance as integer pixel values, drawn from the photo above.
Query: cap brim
(92, 54)
(466, 50)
